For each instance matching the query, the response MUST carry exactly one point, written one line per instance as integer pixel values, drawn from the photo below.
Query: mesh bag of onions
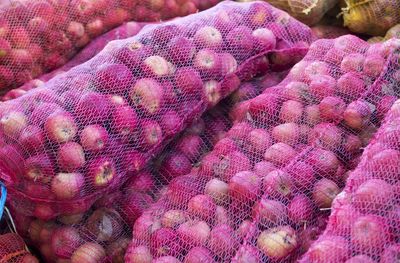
(104, 232)
(41, 35)
(126, 30)
(264, 192)
(85, 132)
(371, 17)
(364, 225)
(139, 192)
(13, 250)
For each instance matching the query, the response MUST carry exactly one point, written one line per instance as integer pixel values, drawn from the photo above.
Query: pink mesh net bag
(104, 232)
(289, 218)
(124, 31)
(41, 35)
(84, 133)
(12, 247)
(13, 250)
(365, 219)
(99, 235)
(264, 192)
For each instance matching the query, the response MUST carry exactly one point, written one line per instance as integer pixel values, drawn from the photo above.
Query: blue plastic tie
(3, 198)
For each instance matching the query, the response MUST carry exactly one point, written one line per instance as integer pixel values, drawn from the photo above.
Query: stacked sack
(365, 219)
(264, 192)
(101, 234)
(371, 17)
(326, 31)
(133, 98)
(39, 36)
(297, 198)
(12, 246)
(86, 132)
(13, 250)
(309, 11)
(106, 228)
(126, 30)
(393, 32)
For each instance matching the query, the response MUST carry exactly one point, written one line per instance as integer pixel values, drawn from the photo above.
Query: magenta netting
(103, 233)
(107, 227)
(41, 35)
(264, 193)
(13, 250)
(364, 225)
(12, 246)
(85, 132)
(124, 31)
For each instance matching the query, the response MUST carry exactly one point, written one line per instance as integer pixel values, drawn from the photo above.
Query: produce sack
(309, 12)
(264, 192)
(364, 225)
(126, 30)
(373, 17)
(103, 233)
(42, 35)
(393, 32)
(105, 230)
(375, 39)
(12, 247)
(84, 133)
(325, 31)
(13, 250)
